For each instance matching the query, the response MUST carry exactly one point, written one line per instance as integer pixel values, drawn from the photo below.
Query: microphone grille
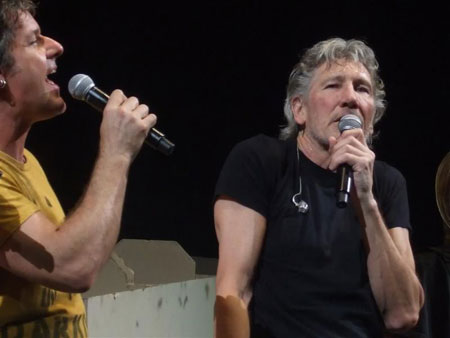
(79, 86)
(349, 121)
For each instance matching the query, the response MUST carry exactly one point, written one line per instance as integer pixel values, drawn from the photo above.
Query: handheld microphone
(81, 87)
(344, 171)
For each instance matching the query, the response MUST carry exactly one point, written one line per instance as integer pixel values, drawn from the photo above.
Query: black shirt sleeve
(247, 175)
(391, 194)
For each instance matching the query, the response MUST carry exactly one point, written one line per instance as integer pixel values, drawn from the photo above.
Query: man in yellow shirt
(46, 259)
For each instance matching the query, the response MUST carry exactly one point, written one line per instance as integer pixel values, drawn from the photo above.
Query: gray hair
(9, 21)
(330, 51)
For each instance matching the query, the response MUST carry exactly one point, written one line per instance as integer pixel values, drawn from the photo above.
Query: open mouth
(49, 80)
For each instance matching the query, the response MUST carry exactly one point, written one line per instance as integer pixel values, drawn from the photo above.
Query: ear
(2, 83)
(2, 75)
(5, 94)
(298, 110)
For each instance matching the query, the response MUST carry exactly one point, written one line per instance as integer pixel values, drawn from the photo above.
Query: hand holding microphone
(344, 171)
(81, 87)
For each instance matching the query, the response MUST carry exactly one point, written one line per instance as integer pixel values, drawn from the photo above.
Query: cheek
(369, 109)
(322, 100)
(369, 115)
(323, 106)
(25, 87)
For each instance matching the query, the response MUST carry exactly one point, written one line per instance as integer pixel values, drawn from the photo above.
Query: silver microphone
(81, 87)
(344, 171)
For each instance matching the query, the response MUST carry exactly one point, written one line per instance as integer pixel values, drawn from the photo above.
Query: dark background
(215, 73)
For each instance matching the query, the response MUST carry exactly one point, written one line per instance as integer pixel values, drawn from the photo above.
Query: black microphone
(81, 87)
(344, 171)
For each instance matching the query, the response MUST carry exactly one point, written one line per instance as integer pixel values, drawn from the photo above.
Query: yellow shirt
(28, 309)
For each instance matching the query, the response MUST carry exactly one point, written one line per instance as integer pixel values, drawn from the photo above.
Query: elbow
(82, 283)
(76, 283)
(401, 320)
(85, 278)
(405, 316)
(79, 280)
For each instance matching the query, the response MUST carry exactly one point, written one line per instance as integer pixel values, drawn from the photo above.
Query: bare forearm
(393, 280)
(240, 232)
(91, 231)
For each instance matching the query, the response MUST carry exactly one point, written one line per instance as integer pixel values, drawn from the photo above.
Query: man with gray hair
(292, 263)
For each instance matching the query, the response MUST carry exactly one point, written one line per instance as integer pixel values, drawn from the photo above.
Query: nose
(348, 96)
(53, 47)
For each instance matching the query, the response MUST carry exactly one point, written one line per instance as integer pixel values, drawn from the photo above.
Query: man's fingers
(355, 139)
(356, 133)
(346, 154)
(349, 150)
(130, 103)
(331, 142)
(142, 111)
(117, 98)
(150, 120)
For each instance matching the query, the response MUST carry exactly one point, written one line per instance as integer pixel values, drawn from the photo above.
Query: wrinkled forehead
(341, 69)
(343, 66)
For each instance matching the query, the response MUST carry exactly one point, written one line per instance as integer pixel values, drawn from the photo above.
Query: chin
(58, 107)
(52, 111)
(62, 110)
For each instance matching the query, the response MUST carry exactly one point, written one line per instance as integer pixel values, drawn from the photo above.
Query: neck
(313, 151)
(15, 149)
(12, 136)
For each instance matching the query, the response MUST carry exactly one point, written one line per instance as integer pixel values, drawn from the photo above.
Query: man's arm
(240, 232)
(391, 268)
(68, 257)
(390, 262)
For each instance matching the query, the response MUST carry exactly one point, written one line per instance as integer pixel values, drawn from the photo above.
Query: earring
(2, 83)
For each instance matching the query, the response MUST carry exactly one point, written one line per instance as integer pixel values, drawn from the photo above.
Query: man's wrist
(368, 203)
(113, 161)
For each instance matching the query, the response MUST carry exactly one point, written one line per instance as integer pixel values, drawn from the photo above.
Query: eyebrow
(32, 34)
(341, 78)
(334, 78)
(36, 31)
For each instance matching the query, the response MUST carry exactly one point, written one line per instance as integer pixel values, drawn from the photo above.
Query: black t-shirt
(311, 279)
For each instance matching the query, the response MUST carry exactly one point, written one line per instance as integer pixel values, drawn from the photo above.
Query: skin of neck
(13, 133)
(315, 152)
